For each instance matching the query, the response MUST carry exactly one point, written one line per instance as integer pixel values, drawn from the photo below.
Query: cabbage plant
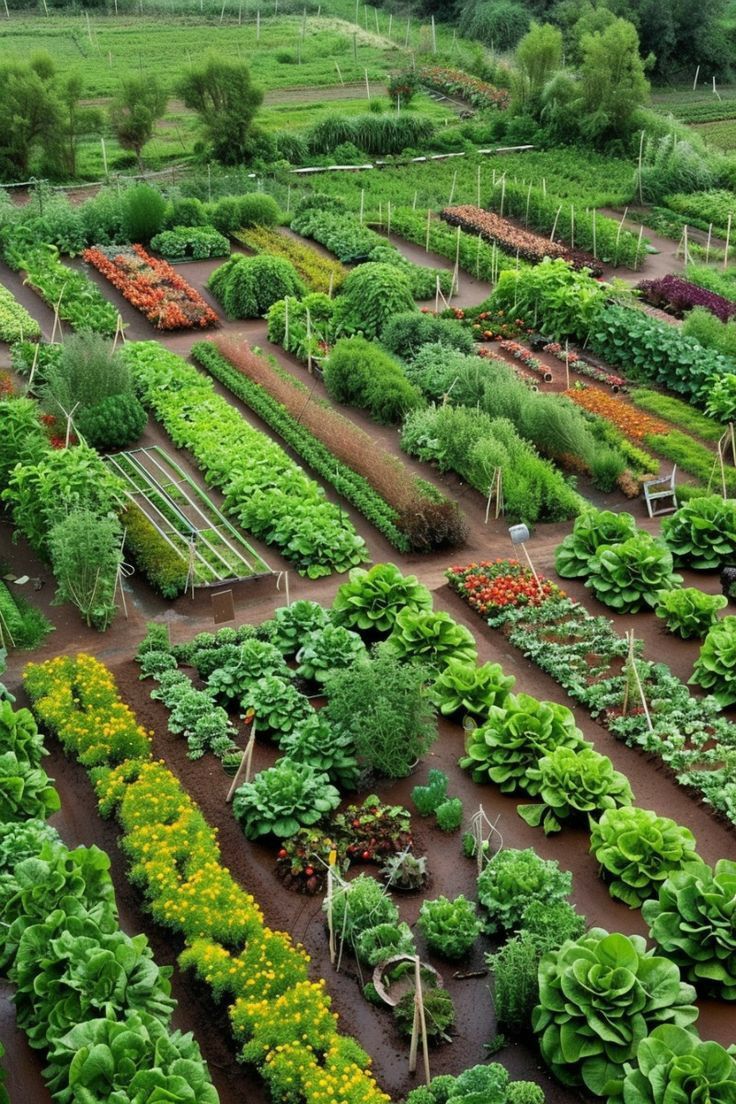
(715, 667)
(702, 533)
(329, 750)
(467, 688)
(599, 996)
(628, 576)
(688, 612)
(574, 784)
(283, 798)
(693, 922)
(277, 704)
(515, 736)
(371, 599)
(674, 1066)
(431, 638)
(592, 529)
(637, 851)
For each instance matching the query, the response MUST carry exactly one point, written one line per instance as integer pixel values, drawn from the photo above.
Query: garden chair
(657, 491)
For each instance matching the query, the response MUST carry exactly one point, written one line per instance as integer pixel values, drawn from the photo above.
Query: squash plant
(715, 668)
(702, 533)
(688, 612)
(628, 576)
(574, 784)
(599, 997)
(638, 850)
(592, 529)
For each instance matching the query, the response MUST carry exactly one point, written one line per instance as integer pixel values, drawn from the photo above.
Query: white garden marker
(367, 85)
(330, 889)
(426, 243)
(707, 244)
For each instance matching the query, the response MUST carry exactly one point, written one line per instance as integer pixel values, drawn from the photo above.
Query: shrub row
(376, 134)
(282, 1020)
(360, 373)
(190, 242)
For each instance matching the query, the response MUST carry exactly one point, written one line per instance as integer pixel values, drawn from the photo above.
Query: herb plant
(427, 798)
(359, 905)
(638, 850)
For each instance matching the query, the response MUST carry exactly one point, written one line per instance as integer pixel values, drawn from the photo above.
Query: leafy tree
(30, 114)
(77, 122)
(134, 111)
(612, 81)
(538, 57)
(226, 101)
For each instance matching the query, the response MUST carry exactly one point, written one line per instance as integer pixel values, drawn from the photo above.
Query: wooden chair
(657, 491)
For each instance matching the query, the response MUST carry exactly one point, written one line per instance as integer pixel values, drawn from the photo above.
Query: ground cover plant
(152, 287)
(289, 510)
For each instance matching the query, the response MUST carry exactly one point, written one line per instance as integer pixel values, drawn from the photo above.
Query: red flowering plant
(577, 364)
(455, 82)
(493, 585)
(153, 287)
(527, 358)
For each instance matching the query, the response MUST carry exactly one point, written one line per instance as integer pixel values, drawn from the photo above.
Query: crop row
(267, 492)
(477, 258)
(494, 228)
(455, 82)
(603, 238)
(679, 295)
(87, 994)
(320, 273)
(16, 323)
(152, 287)
(76, 298)
(281, 1018)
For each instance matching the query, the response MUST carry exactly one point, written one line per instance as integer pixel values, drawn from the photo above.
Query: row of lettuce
(88, 996)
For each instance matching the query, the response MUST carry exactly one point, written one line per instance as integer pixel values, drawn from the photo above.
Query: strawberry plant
(371, 830)
(303, 860)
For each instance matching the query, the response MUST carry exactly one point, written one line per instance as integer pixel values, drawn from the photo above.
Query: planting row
(268, 493)
(280, 1018)
(16, 323)
(89, 996)
(531, 247)
(455, 82)
(319, 273)
(70, 293)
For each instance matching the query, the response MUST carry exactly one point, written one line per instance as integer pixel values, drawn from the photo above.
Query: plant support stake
(420, 1024)
(250, 720)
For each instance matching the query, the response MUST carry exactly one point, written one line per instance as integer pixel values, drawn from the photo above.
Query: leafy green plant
(691, 922)
(251, 660)
(599, 996)
(405, 871)
(688, 612)
(672, 1064)
(702, 533)
(383, 941)
(371, 599)
(359, 373)
(431, 638)
(23, 840)
(315, 741)
(515, 737)
(467, 688)
(195, 715)
(638, 850)
(371, 295)
(405, 334)
(628, 576)
(715, 666)
(525, 1092)
(86, 556)
(385, 707)
(512, 879)
(327, 649)
(25, 790)
(428, 798)
(591, 529)
(282, 799)
(21, 624)
(450, 927)
(439, 1013)
(248, 286)
(449, 814)
(113, 423)
(358, 906)
(290, 624)
(574, 784)
(196, 242)
(277, 704)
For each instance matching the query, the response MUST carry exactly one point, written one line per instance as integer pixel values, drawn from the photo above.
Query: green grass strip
(696, 459)
(678, 412)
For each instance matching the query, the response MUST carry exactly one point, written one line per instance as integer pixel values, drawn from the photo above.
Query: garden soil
(254, 864)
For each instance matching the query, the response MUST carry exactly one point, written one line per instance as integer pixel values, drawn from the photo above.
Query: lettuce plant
(574, 784)
(450, 927)
(692, 922)
(512, 879)
(673, 1066)
(688, 612)
(128, 1061)
(19, 734)
(291, 624)
(702, 533)
(428, 798)
(466, 688)
(628, 576)
(599, 996)
(25, 791)
(371, 599)
(592, 529)
(327, 650)
(515, 737)
(330, 751)
(282, 799)
(277, 704)
(638, 850)
(383, 941)
(431, 638)
(252, 660)
(715, 667)
(23, 841)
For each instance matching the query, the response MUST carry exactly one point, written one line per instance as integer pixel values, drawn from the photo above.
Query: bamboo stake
(728, 241)
(367, 85)
(554, 224)
(477, 187)
(528, 201)
(390, 24)
(250, 719)
(567, 365)
(695, 82)
(362, 203)
(452, 188)
(434, 46)
(408, 29)
(258, 25)
(342, 82)
(426, 243)
(309, 369)
(420, 1025)
(572, 227)
(388, 219)
(7, 12)
(104, 156)
(330, 924)
(414, 201)
(595, 254)
(437, 295)
(707, 244)
(641, 155)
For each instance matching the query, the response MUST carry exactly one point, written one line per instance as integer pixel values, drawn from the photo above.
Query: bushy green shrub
(143, 212)
(258, 209)
(248, 286)
(360, 905)
(449, 814)
(371, 295)
(427, 798)
(405, 334)
(113, 422)
(196, 242)
(377, 135)
(184, 211)
(359, 373)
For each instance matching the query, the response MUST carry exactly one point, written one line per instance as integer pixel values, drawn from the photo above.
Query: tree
(77, 122)
(538, 57)
(612, 81)
(29, 114)
(226, 101)
(134, 111)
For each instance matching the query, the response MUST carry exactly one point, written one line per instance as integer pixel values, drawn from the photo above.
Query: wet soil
(253, 864)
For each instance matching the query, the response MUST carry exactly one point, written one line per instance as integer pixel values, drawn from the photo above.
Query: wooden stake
(695, 82)
(337, 66)
(388, 218)
(222, 13)
(250, 719)
(309, 369)
(452, 188)
(477, 186)
(728, 242)
(722, 466)
(595, 254)
(641, 155)
(528, 201)
(330, 925)
(554, 224)
(7, 11)
(286, 323)
(707, 244)
(437, 295)
(572, 227)
(434, 45)
(426, 243)
(104, 156)
(567, 365)
(390, 23)
(420, 1025)
(408, 29)
(362, 203)
(367, 85)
